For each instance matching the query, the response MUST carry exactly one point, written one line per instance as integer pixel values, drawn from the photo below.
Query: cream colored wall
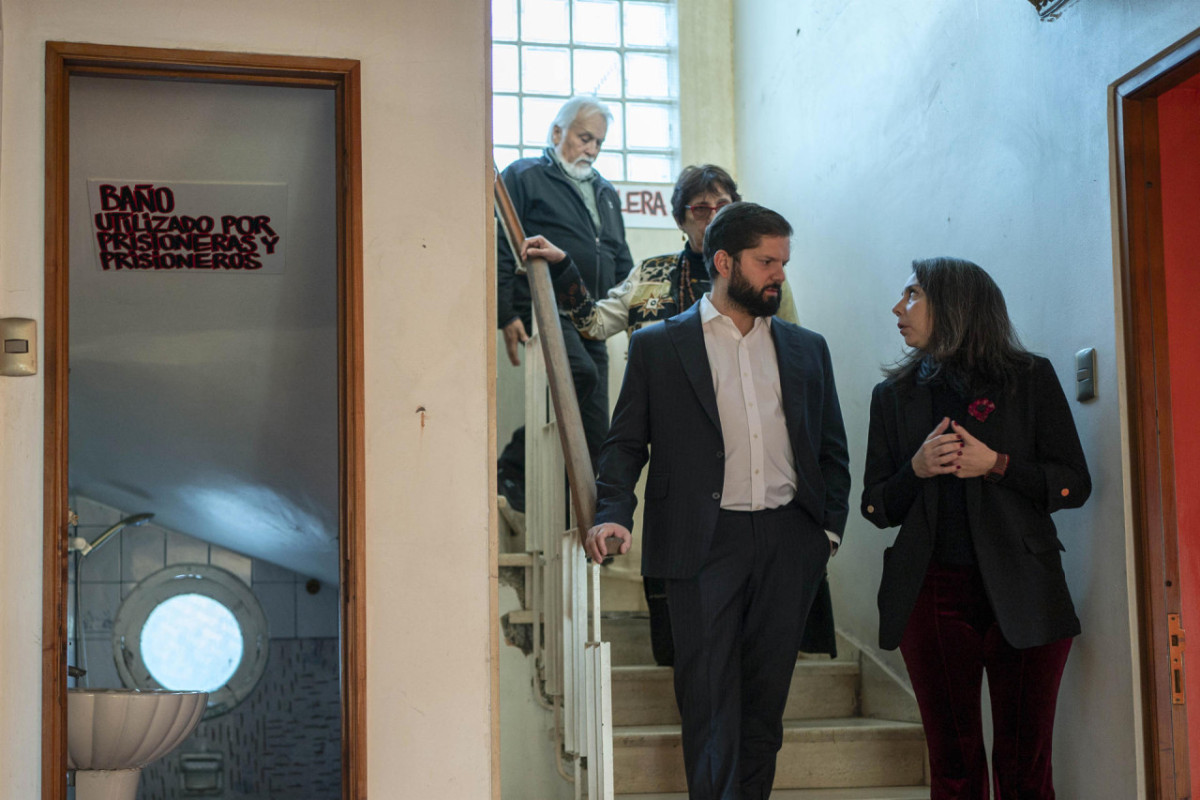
(427, 340)
(706, 83)
(888, 132)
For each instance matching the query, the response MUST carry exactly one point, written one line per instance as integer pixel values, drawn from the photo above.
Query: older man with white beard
(560, 195)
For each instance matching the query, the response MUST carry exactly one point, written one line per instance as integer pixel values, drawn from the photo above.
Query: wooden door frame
(342, 76)
(1141, 283)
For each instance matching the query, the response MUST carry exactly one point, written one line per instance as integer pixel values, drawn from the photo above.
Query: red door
(1179, 159)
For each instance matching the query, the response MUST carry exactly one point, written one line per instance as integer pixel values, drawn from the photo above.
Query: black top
(698, 275)
(952, 542)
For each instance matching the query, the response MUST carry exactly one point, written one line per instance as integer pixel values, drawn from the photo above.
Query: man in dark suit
(746, 497)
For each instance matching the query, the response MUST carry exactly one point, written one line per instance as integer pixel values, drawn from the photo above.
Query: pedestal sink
(113, 733)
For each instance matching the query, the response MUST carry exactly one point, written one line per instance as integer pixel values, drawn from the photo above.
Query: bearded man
(560, 195)
(746, 497)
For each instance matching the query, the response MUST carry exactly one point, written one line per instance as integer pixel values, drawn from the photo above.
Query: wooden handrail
(558, 372)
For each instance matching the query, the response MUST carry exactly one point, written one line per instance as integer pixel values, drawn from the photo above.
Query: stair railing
(574, 665)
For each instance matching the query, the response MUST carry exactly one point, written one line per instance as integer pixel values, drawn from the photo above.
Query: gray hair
(581, 105)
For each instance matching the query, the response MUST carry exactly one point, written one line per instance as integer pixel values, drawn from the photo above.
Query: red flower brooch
(981, 408)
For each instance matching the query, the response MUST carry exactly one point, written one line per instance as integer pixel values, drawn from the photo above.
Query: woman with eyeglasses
(662, 286)
(658, 288)
(971, 448)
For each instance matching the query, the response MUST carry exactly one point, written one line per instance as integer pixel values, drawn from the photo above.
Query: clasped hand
(597, 545)
(955, 453)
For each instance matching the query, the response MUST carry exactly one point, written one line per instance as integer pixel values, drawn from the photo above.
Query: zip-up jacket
(548, 204)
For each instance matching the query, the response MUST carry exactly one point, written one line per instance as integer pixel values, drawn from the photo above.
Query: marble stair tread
(795, 730)
(869, 793)
(628, 634)
(805, 666)
(854, 752)
(645, 695)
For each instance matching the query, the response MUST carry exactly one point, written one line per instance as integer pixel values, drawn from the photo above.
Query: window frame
(208, 581)
(505, 153)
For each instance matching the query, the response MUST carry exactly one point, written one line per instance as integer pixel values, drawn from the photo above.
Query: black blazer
(667, 412)
(1015, 541)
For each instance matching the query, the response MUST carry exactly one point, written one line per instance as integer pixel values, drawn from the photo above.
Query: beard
(754, 301)
(580, 169)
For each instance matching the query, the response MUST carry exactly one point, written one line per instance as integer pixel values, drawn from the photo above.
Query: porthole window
(192, 627)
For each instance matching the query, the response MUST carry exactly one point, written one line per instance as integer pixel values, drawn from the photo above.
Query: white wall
(888, 132)
(428, 338)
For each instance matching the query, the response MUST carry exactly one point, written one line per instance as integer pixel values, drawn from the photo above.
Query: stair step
(826, 689)
(816, 753)
(514, 559)
(869, 793)
(628, 636)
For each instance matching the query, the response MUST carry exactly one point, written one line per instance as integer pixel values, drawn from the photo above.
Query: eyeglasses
(704, 211)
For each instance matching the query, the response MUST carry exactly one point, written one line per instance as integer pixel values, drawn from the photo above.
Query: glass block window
(623, 51)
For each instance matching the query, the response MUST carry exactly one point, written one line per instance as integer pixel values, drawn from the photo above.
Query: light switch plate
(18, 346)
(1085, 374)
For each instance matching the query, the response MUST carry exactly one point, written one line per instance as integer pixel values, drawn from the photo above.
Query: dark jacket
(547, 203)
(1016, 545)
(667, 413)
(667, 400)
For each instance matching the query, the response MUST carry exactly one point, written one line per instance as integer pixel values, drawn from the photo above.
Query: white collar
(709, 312)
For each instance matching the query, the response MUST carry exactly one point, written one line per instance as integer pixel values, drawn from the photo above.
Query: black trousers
(588, 360)
(737, 627)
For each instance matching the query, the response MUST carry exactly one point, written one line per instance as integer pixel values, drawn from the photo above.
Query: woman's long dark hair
(972, 344)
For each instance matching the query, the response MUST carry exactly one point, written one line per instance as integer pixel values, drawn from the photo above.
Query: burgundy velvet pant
(951, 638)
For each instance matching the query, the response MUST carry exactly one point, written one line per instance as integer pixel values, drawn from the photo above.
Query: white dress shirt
(760, 470)
(760, 467)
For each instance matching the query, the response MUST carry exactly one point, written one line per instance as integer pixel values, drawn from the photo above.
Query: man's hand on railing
(541, 247)
(607, 539)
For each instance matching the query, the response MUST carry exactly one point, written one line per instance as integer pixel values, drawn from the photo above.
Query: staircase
(830, 750)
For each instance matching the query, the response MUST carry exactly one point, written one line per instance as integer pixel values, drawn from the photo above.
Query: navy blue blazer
(667, 413)
(1016, 545)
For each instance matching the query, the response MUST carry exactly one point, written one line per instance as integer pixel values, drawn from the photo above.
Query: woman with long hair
(971, 448)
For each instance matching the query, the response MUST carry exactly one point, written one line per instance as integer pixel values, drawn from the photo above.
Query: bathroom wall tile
(266, 572)
(236, 563)
(316, 614)
(93, 513)
(282, 742)
(278, 601)
(143, 552)
(101, 669)
(184, 549)
(103, 563)
(99, 603)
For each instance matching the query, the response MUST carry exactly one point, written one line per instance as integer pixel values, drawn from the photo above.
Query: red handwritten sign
(179, 227)
(646, 205)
